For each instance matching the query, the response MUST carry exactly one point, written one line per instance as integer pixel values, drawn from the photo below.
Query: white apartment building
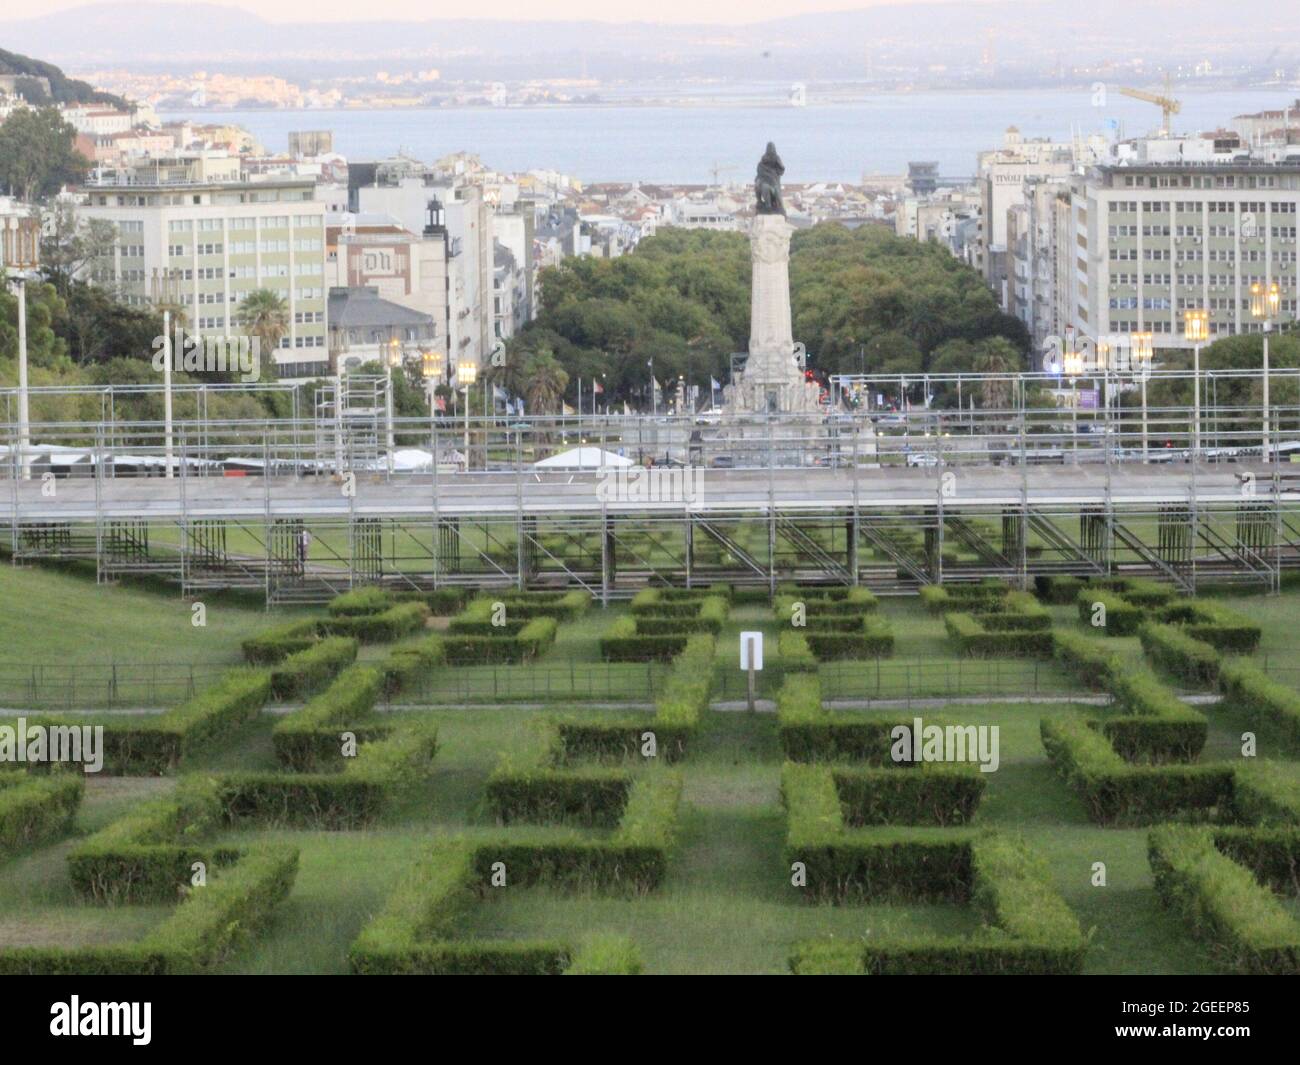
(1151, 241)
(1001, 177)
(190, 231)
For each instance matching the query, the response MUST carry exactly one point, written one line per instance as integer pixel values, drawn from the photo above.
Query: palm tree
(547, 381)
(996, 355)
(266, 315)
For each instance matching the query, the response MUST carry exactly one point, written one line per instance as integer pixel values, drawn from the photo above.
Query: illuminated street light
(1196, 330)
(1141, 350)
(1265, 302)
(466, 375)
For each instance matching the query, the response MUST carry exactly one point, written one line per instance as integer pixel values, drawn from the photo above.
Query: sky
(681, 11)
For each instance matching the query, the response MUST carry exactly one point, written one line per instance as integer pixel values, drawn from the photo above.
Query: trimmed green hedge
(1090, 661)
(407, 663)
(153, 746)
(368, 600)
(1122, 617)
(310, 738)
(793, 653)
(34, 809)
(939, 598)
(274, 645)
(810, 733)
(383, 627)
(1174, 650)
(710, 617)
(1246, 686)
(1223, 901)
(1031, 929)
(875, 639)
(237, 902)
(930, 794)
(304, 672)
(1154, 724)
(999, 635)
(381, 772)
(1115, 791)
(529, 642)
(1215, 624)
(412, 933)
(684, 701)
(440, 601)
(625, 644)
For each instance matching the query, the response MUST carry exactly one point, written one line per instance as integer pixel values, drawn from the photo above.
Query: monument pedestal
(772, 381)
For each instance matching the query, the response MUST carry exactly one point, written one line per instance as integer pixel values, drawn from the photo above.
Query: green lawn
(726, 906)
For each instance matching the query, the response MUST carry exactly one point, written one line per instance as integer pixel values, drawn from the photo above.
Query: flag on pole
(600, 389)
(441, 403)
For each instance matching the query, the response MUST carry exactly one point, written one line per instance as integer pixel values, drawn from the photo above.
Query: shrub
(1215, 624)
(404, 664)
(995, 636)
(274, 645)
(379, 774)
(383, 627)
(308, 670)
(874, 639)
(152, 746)
(440, 601)
(794, 654)
(1245, 925)
(1112, 790)
(1091, 661)
(311, 737)
(625, 644)
(1122, 617)
(1248, 687)
(1175, 651)
(36, 809)
(931, 794)
(529, 642)
(236, 903)
(368, 600)
(1156, 726)
(606, 955)
(710, 616)
(1060, 591)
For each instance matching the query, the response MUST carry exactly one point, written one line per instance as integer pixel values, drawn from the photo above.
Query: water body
(831, 141)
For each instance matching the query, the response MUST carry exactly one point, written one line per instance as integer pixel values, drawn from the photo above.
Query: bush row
(1223, 901)
(153, 746)
(310, 738)
(710, 617)
(1113, 790)
(305, 671)
(1176, 651)
(35, 809)
(998, 635)
(530, 641)
(383, 627)
(678, 710)
(939, 598)
(236, 903)
(411, 935)
(1031, 929)
(1248, 687)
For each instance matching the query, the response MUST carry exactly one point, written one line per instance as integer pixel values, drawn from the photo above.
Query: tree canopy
(862, 300)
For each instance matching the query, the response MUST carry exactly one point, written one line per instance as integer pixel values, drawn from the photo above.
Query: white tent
(583, 458)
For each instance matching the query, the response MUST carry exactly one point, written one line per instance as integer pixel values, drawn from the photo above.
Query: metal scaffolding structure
(890, 500)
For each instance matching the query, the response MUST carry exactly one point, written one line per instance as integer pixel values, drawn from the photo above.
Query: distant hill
(63, 89)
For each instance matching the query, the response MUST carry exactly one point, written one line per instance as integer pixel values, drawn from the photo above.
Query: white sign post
(751, 658)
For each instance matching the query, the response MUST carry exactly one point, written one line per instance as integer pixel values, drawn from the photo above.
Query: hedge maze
(581, 776)
(1226, 837)
(862, 826)
(360, 830)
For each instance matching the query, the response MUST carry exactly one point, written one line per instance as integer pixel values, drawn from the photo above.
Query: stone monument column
(772, 380)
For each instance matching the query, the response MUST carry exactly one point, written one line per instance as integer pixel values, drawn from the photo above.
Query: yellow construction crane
(1167, 104)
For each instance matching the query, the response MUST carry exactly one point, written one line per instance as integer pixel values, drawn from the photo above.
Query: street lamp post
(1141, 346)
(466, 374)
(1196, 328)
(392, 360)
(1265, 301)
(1072, 364)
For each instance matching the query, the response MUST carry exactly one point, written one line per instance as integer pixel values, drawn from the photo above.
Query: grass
(727, 905)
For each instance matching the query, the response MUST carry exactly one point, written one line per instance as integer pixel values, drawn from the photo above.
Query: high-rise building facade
(194, 234)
